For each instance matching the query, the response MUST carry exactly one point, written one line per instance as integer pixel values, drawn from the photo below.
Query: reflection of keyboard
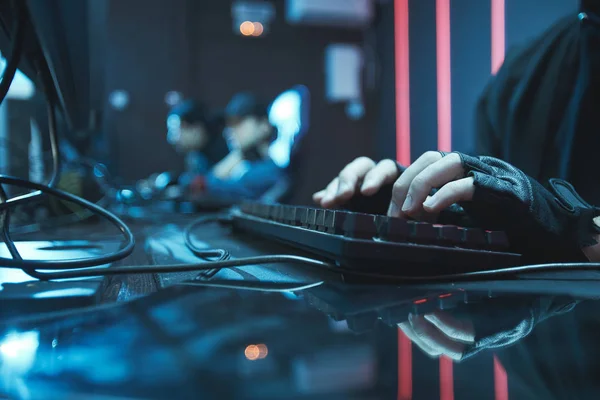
(362, 307)
(376, 243)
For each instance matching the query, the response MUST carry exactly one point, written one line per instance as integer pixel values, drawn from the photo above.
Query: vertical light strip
(498, 45)
(498, 34)
(444, 111)
(500, 381)
(444, 93)
(446, 379)
(404, 367)
(401, 53)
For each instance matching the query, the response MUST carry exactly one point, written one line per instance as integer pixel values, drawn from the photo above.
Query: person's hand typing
(361, 177)
(546, 225)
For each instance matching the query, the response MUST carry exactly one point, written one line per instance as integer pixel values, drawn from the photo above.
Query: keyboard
(377, 243)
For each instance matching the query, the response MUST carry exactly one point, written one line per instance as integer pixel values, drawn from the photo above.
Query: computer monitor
(63, 40)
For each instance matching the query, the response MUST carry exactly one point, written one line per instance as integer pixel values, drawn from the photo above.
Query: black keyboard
(377, 243)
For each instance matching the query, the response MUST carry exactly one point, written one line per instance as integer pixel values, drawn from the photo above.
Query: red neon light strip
(402, 81)
(444, 93)
(498, 34)
(444, 107)
(401, 58)
(498, 49)
(500, 381)
(446, 379)
(404, 367)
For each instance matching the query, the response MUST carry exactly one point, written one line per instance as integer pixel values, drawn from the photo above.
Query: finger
(401, 186)
(383, 173)
(318, 196)
(435, 339)
(450, 193)
(351, 177)
(435, 175)
(330, 191)
(411, 334)
(452, 327)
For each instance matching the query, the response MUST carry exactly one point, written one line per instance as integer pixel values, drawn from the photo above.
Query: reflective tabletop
(275, 333)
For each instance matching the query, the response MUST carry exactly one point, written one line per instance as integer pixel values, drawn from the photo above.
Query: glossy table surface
(283, 331)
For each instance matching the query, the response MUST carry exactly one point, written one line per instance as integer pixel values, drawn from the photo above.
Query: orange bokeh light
(255, 352)
(252, 352)
(263, 351)
(247, 28)
(258, 29)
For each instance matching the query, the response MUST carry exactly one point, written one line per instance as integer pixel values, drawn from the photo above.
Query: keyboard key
(263, 211)
(448, 235)
(320, 220)
(360, 226)
(338, 222)
(311, 218)
(422, 232)
(391, 229)
(473, 237)
(301, 213)
(497, 240)
(328, 221)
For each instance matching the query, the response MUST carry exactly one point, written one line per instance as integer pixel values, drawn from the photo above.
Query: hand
(361, 176)
(411, 193)
(545, 225)
(439, 333)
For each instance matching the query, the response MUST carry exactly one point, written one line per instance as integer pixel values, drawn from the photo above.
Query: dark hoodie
(540, 111)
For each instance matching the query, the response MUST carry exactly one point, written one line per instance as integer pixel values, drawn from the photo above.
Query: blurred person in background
(198, 136)
(247, 172)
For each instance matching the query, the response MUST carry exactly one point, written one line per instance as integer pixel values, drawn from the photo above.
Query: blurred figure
(248, 172)
(197, 135)
(194, 133)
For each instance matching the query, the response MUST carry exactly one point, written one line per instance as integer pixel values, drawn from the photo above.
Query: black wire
(74, 263)
(167, 268)
(509, 273)
(259, 286)
(205, 254)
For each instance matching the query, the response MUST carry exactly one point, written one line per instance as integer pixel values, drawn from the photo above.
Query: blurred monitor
(289, 114)
(59, 37)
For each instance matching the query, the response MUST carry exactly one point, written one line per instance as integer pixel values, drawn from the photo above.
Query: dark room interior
(299, 199)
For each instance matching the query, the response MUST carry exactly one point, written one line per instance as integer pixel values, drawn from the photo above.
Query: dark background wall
(189, 46)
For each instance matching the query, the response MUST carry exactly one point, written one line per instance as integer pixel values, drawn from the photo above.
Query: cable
(15, 262)
(167, 268)
(275, 287)
(271, 259)
(204, 254)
